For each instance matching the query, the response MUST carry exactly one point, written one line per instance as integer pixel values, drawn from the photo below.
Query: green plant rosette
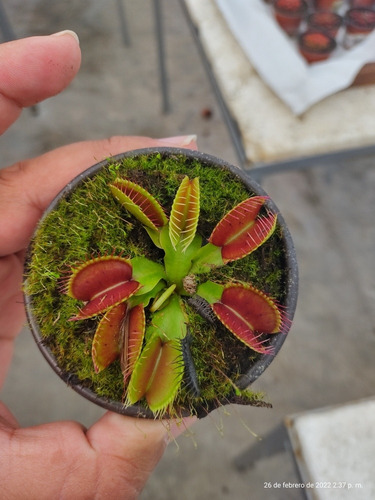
(85, 221)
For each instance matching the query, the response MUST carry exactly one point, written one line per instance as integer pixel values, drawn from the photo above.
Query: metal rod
(231, 124)
(123, 23)
(161, 56)
(319, 160)
(5, 26)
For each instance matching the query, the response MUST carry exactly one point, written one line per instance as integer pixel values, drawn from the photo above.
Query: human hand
(115, 456)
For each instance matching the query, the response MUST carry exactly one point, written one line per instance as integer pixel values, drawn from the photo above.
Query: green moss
(89, 223)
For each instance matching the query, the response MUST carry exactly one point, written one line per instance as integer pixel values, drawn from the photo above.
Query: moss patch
(89, 223)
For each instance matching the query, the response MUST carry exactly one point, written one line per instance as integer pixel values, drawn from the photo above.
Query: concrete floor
(328, 356)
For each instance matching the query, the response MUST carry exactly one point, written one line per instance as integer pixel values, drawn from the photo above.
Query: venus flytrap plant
(142, 303)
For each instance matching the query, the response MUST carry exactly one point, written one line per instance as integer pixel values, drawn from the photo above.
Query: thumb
(138, 443)
(33, 69)
(113, 459)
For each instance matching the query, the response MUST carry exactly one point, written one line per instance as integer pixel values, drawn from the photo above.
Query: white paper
(276, 59)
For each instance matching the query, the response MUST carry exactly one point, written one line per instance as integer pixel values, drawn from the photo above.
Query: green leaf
(170, 321)
(154, 235)
(159, 301)
(144, 298)
(177, 262)
(167, 377)
(147, 273)
(157, 375)
(210, 291)
(207, 258)
(184, 213)
(139, 203)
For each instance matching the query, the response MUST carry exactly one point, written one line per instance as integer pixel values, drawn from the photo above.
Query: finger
(113, 459)
(7, 420)
(138, 444)
(27, 188)
(12, 312)
(33, 69)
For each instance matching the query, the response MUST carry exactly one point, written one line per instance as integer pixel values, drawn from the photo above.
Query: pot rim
(364, 21)
(291, 284)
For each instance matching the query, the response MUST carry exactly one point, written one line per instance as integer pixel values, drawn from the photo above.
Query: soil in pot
(316, 45)
(365, 4)
(326, 21)
(326, 4)
(289, 14)
(88, 236)
(360, 22)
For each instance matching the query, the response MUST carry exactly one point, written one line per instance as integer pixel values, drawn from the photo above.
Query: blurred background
(327, 358)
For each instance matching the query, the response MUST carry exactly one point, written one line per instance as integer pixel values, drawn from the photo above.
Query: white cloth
(277, 60)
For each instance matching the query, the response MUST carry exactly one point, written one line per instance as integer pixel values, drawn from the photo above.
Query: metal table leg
(5, 26)
(161, 56)
(123, 23)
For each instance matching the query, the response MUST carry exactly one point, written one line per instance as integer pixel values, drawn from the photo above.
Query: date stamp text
(335, 485)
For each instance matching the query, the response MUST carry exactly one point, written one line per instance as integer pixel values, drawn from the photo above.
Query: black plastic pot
(289, 305)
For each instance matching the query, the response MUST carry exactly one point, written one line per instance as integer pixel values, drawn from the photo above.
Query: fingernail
(182, 140)
(67, 32)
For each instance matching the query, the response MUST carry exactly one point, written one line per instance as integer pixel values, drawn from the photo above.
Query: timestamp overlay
(313, 485)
